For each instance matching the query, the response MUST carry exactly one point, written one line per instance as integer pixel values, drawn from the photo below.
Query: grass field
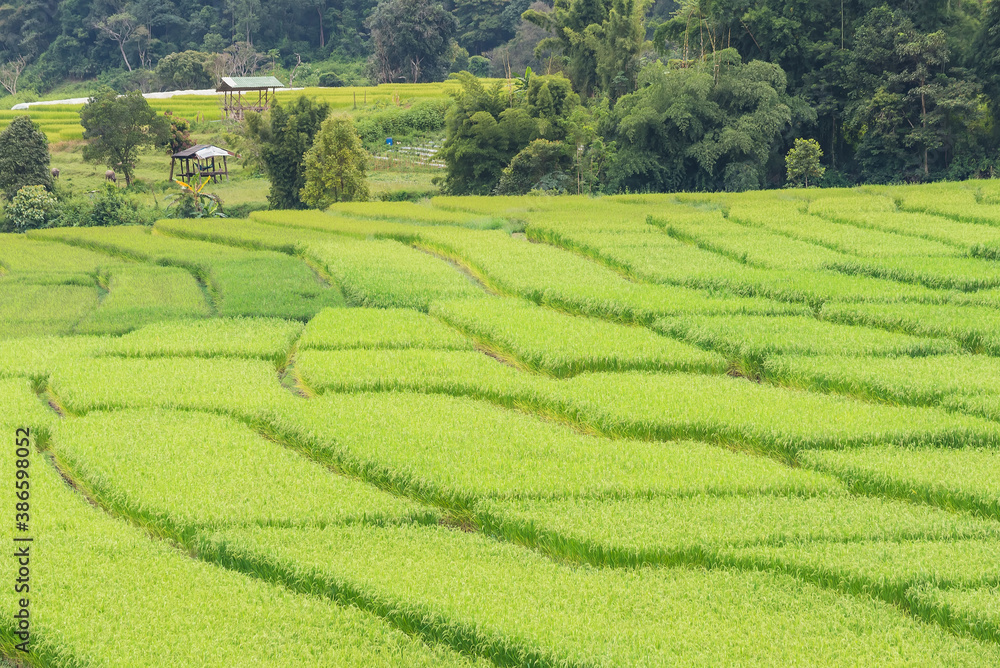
(758, 429)
(61, 125)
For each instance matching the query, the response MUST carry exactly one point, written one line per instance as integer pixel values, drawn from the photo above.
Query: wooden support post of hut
(200, 161)
(233, 89)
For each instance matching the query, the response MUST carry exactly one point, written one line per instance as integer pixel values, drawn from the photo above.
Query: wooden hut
(200, 161)
(238, 95)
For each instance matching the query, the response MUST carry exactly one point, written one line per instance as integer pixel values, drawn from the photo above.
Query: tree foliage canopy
(686, 126)
(488, 126)
(410, 39)
(336, 166)
(284, 139)
(117, 127)
(24, 157)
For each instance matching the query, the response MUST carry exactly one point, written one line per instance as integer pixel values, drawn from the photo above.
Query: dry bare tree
(10, 72)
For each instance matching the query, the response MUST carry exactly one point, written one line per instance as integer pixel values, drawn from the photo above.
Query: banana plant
(194, 202)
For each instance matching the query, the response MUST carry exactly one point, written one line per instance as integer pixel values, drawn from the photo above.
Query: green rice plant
(652, 406)
(694, 528)
(866, 211)
(974, 327)
(917, 381)
(187, 471)
(456, 451)
(974, 612)
(104, 593)
(38, 357)
(391, 328)
(985, 404)
(22, 256)
(268, 338)
(884, 569)
(221, 385)
(751, 340)
(455, 372)
(564, 345)
(783, 219)
(770, 419)
(271, 285)
(489, 205)
(319, 221)
(407, 212)
(943, 273)
(242, 283)
(657, 258)
(37, 310)
(553, 277)
(21, 407)
(743, 240)
(142, 294)
(519, 608)
(963, 479)
(388, 274)
(248, 234)
(958, 203)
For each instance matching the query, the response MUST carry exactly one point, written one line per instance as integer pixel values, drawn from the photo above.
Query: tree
(245, 17)
(179, 135)
(685, 126)
(336, 166)
(184, 70)
(616, 44)
(410, 40)
(10, 72)
(908, 109)
(567, 25)
(118, 128)
(24, 157)
(541, 165)
(239, 59)
(987, 51)
(284, 140)
(121, 27)
(802, 162)
(487, 127)
(483, 24)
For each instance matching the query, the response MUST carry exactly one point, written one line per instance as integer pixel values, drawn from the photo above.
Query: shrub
(113, 207)
(31, 208)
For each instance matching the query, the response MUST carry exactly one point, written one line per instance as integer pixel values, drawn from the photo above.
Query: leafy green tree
(179, 134)
(987, 51)
(118, 127)
(482, 24)
(336, 166)
(283, 142)
(410, 40)
(567, 25)
(184, 70)
(616, 44)
(684, 126)
(802, 162)
(541, 165)
(24, 157)
(488, 126)
(909, 108)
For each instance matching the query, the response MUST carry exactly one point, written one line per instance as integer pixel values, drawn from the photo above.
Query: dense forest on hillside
(693, 95)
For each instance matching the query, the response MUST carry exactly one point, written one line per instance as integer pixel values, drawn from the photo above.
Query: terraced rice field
(61, 122)
(757, 429)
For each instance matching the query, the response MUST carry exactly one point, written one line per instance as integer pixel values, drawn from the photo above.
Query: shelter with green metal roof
(238, 95)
